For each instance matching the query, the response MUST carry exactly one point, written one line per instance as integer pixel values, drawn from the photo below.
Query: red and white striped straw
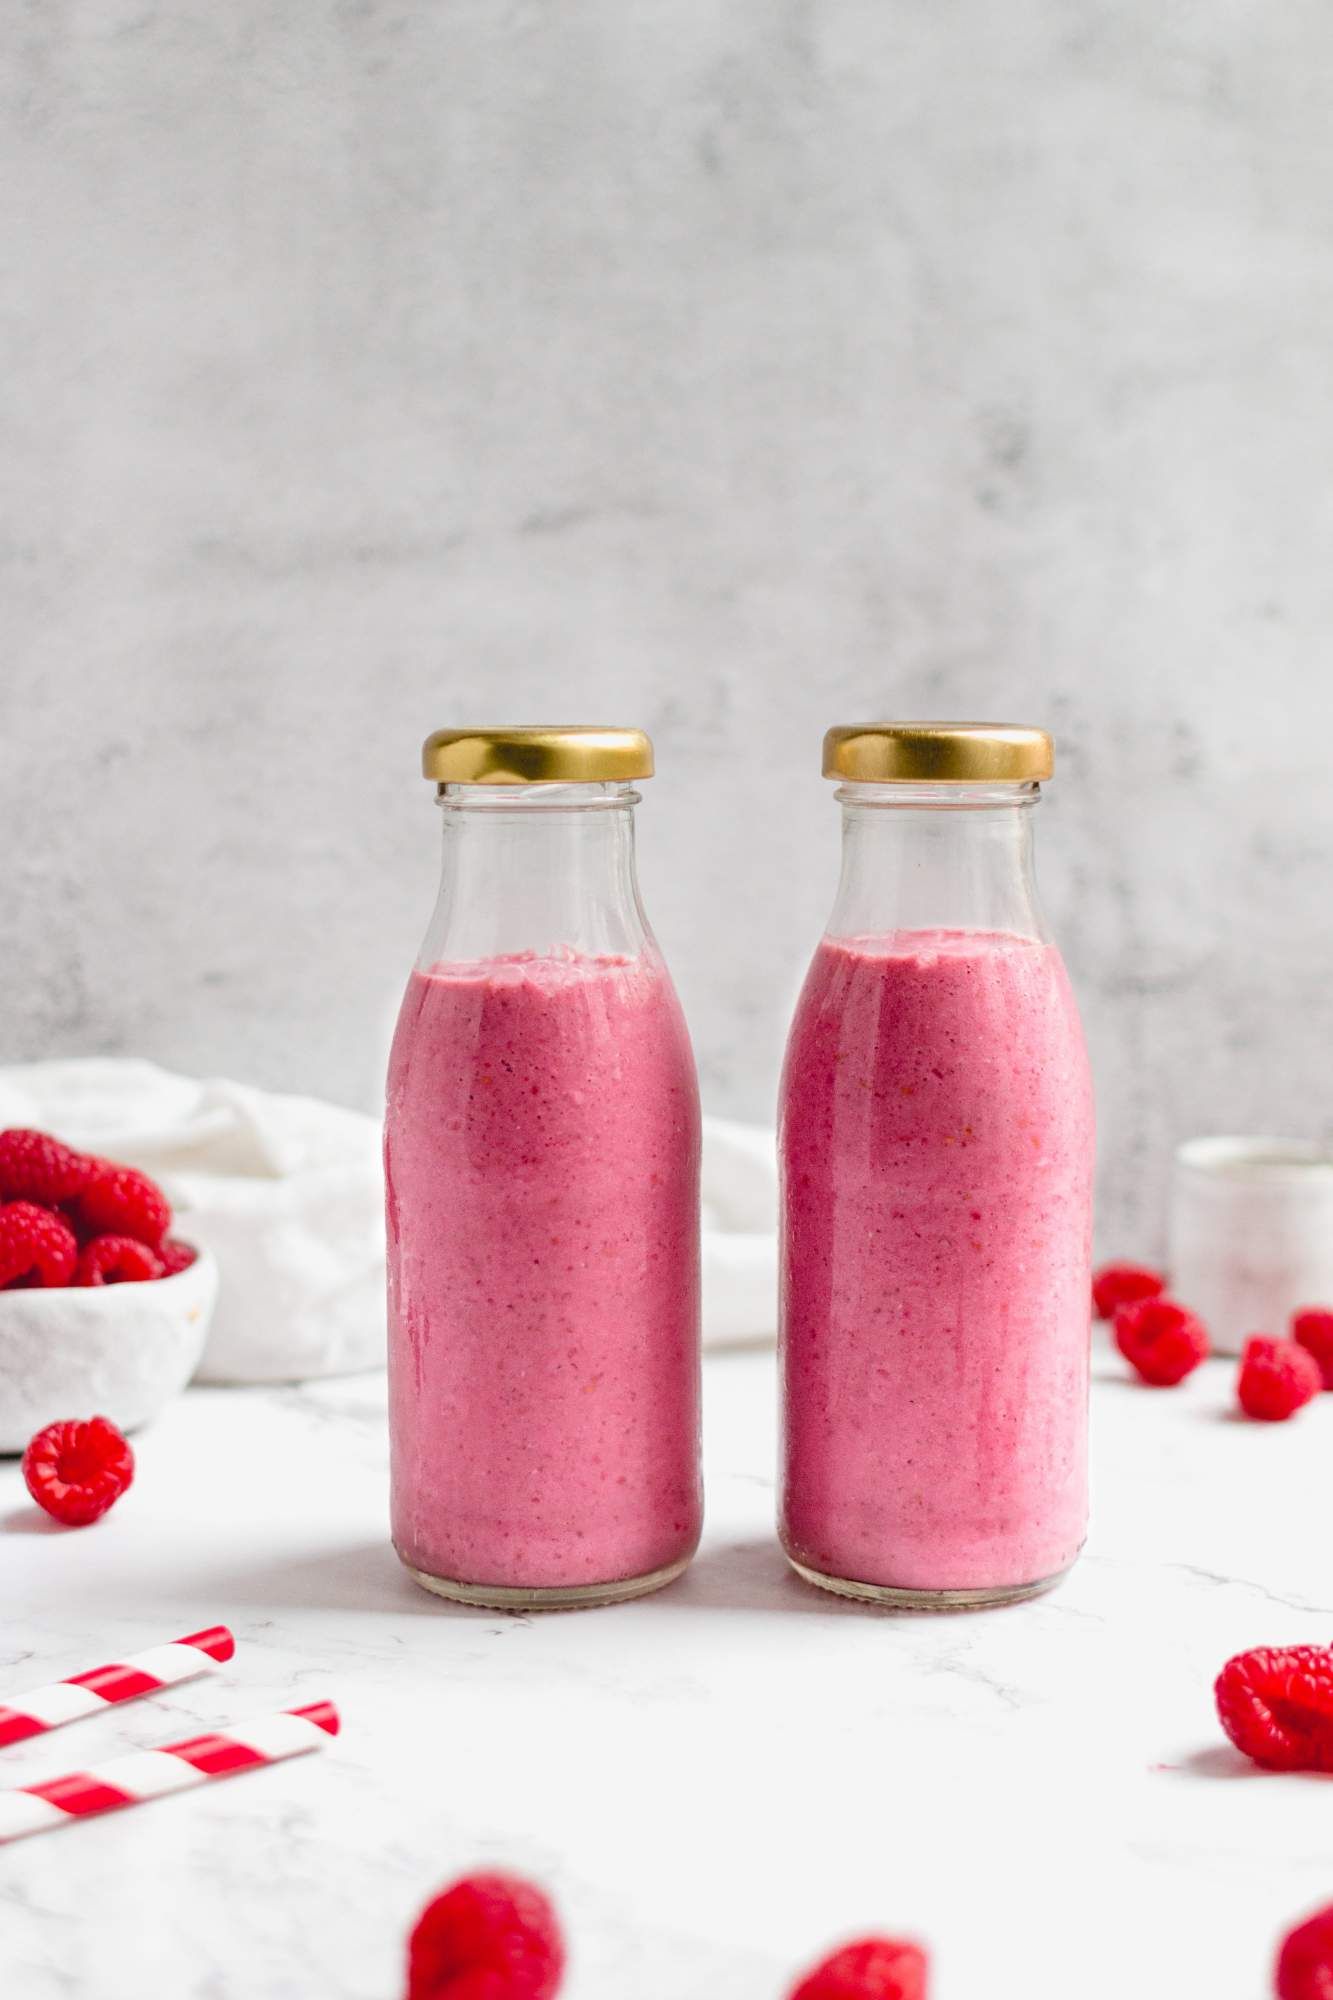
(123, 1680)
(151, 1774)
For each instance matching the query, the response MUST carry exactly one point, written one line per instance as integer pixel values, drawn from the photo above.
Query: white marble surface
(729, 369)
(715, 1783)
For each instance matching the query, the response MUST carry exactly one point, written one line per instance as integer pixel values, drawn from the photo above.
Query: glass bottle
(542, 1184)
(936, 1144)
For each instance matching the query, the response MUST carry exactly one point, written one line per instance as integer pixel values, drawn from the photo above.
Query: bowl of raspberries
(101, 1306)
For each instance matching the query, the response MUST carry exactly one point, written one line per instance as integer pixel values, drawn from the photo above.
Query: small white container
(118, 1351)
(1251, 1236)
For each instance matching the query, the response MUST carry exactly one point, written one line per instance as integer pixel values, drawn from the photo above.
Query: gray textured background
(726, 368)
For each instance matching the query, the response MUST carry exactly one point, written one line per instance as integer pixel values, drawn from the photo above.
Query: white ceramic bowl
(118, 1351)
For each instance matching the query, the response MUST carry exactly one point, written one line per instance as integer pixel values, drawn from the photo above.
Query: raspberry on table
(116, 1260)
(1304, 1968)
(37, 1246)
(1121, 1285)
(1312, 1329)
(77, 1470)
(120, 1201)
(175, 1256)
(871, 1969)
(1164, 1341)
(1276, 1705)
(486, 1937)
(36, 1167)
(1276, 1378)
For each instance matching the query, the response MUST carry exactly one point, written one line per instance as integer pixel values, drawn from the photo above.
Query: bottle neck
(937, 857)
(542, 869)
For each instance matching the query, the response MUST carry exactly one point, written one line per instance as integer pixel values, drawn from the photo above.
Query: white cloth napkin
(288, 1193)
(740, 1244)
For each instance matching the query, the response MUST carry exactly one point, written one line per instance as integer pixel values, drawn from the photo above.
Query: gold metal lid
(576, 753)
(942, 753)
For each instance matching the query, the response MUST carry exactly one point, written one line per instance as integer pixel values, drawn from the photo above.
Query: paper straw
(151, 1774)
(123, 1680)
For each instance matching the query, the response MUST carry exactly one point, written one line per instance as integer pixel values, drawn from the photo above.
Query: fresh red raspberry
(76, 1470)
(487, 1937)
(120, 1201)
(1312, 1329)
(1161, 1339)
(871, 1969)
(37, 1247)
(1276, 1378)
(1304, 1968)
(36, 1167)
(69, 1212)
(115, 1260)
(175, 1256)
(1122, 1285)
(1276, 1705)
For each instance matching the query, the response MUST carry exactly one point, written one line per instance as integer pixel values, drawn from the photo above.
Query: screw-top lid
(570, 753)
(944, 753)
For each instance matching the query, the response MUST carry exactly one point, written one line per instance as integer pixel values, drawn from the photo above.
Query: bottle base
(892, 1598)
(573, 1597)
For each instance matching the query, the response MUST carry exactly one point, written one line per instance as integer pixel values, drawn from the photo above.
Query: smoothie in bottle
(936, 1150)
(542, 1164)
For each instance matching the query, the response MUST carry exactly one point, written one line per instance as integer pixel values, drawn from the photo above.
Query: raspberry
(1161, 1339)
(1312, 1329)
(872, 1969)
(76, 1470)
(1121, 1285)
(487, 1937)
(36, 1167)
(69, 1212)
(115, 1260)
(175, 1256)
(1276, 1705)
(120, 1201)
(1304, 1968)
(37, 1247)
(1276, 1378)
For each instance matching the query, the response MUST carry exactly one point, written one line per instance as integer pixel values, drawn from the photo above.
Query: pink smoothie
(937, 1155)
(542, 1162)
